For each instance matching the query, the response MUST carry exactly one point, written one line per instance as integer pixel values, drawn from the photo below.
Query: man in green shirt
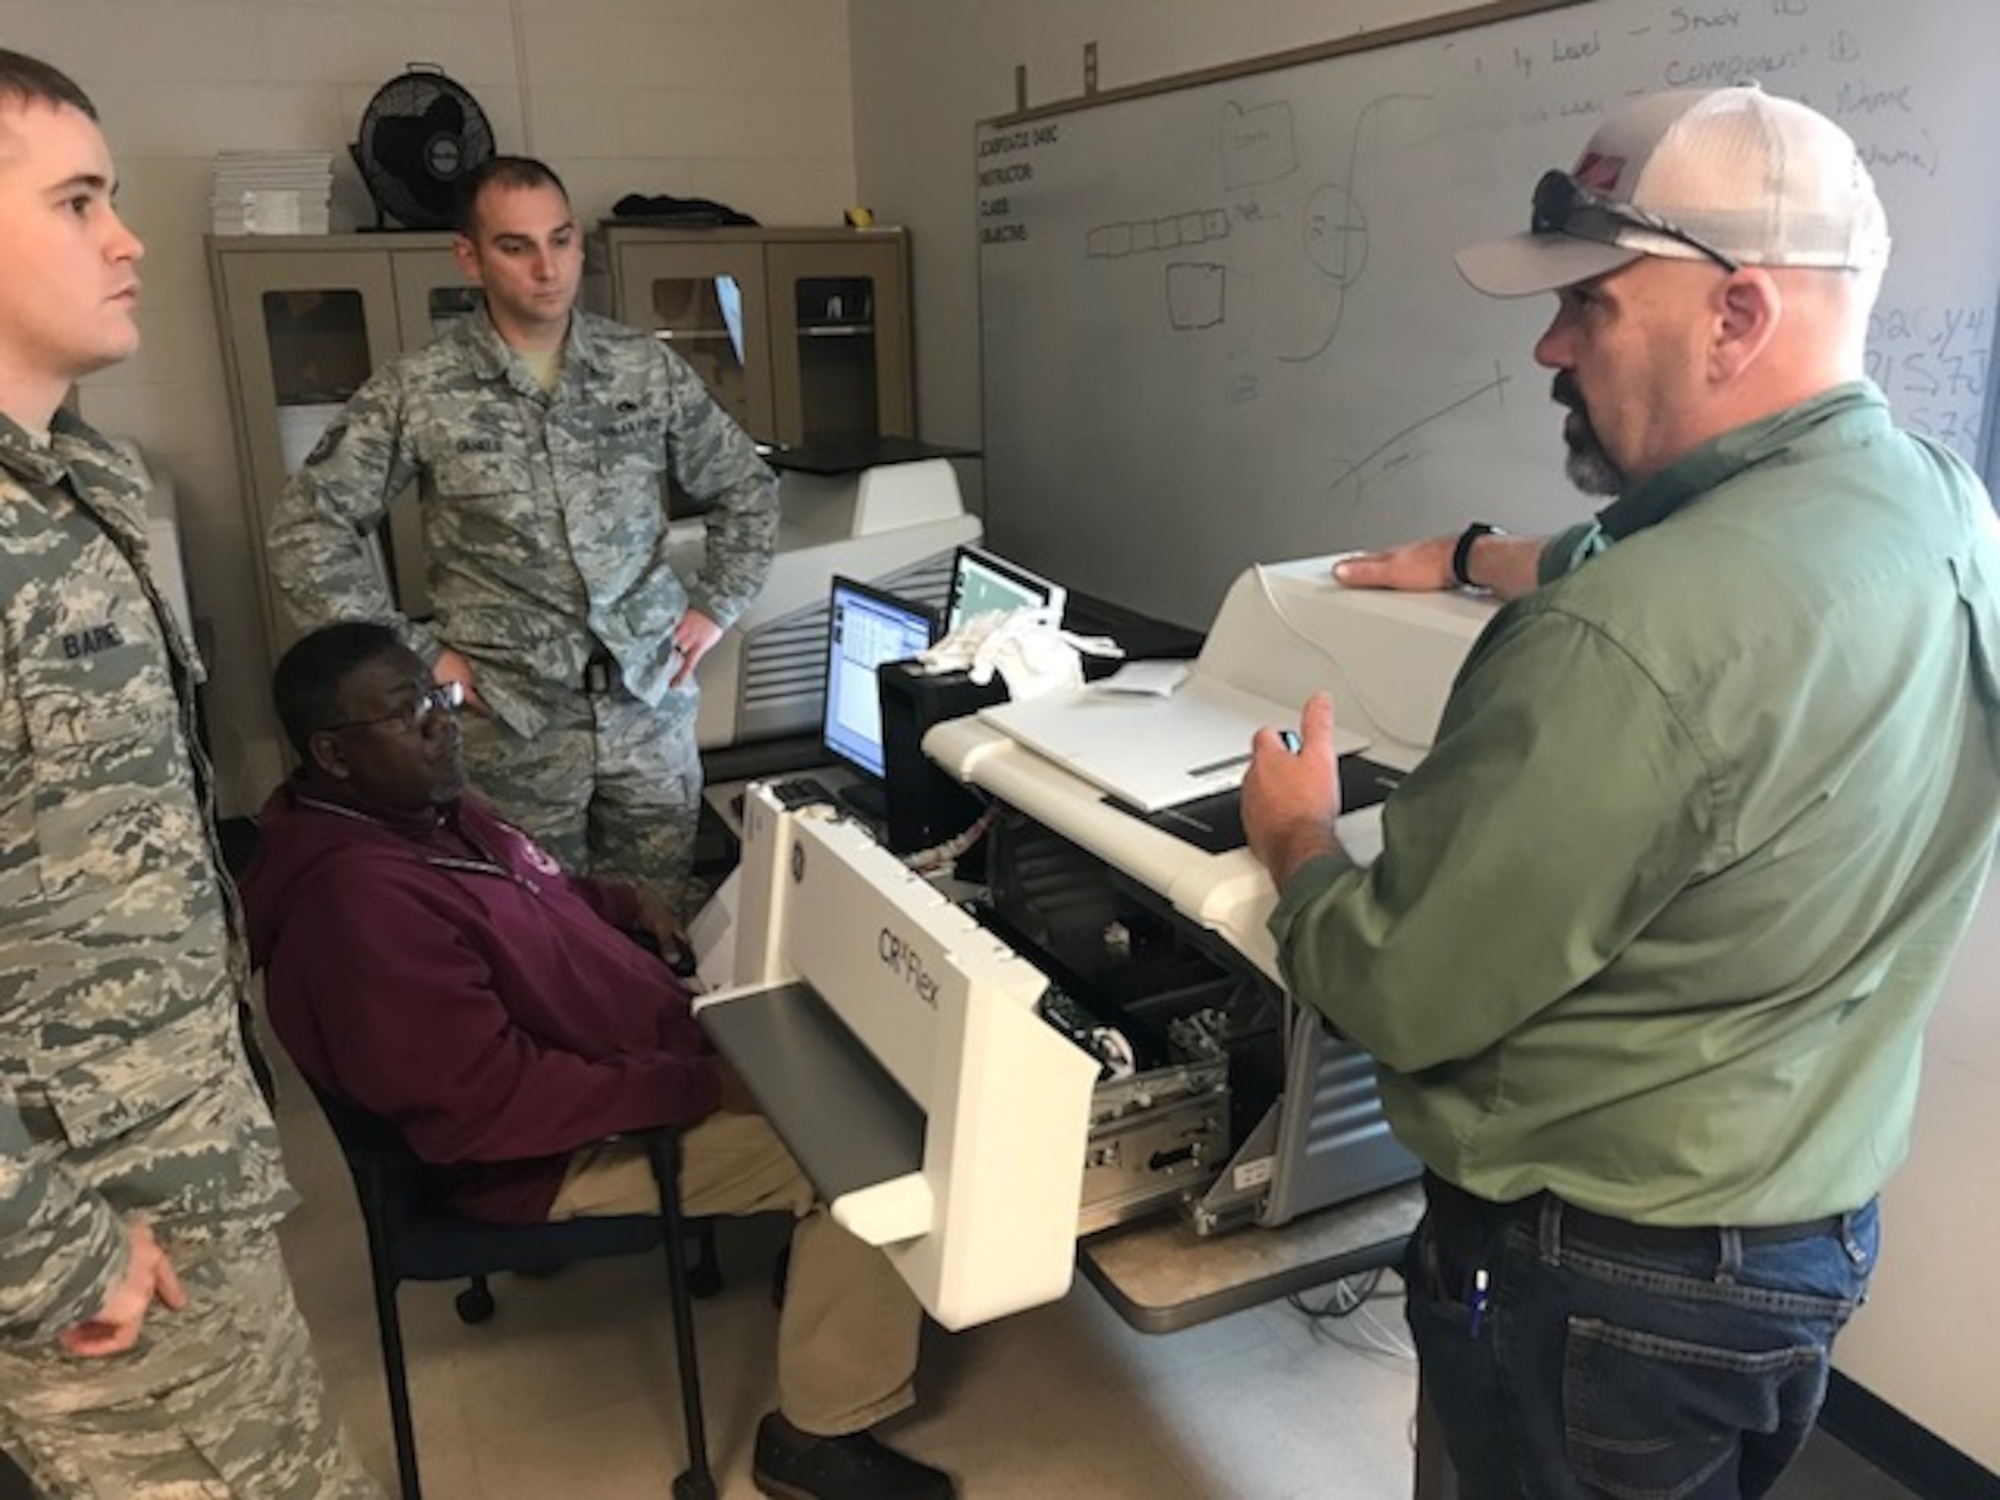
(1657, 925)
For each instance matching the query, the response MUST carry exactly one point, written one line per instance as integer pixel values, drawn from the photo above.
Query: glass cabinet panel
(702, 296)
(447, 304)
(838, 378)
(431, 294)
(840, 333)
(701, 317)
(317, 343)
(305, 321)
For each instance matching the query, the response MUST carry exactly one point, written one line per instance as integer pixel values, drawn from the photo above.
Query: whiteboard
(1221, 324)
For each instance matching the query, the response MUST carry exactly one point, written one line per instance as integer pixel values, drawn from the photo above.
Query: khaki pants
(220, 1400)
(847, 1336)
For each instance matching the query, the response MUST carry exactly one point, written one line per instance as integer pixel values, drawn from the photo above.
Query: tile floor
(570, 1390)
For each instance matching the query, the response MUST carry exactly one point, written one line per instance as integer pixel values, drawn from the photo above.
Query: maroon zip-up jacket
(443, 972)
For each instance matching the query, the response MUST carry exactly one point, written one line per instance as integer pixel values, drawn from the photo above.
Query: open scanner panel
(941, 1079)
(896, 1047)
(1240, 1107)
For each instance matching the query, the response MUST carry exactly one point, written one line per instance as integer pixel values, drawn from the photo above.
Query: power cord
(1348, 1299)
(942, 856)
(1348, 1296)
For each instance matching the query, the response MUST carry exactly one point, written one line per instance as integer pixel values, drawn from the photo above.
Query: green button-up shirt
(1658, 922)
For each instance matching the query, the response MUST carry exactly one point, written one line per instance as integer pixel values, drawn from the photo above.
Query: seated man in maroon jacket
(428, 962)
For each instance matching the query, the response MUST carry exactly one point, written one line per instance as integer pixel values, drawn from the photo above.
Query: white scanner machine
(1285, 631)
(925, 1067)
(895, 525)
(895, 1047)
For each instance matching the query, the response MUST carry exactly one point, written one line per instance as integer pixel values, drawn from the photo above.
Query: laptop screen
(869, 626)
(980, 581)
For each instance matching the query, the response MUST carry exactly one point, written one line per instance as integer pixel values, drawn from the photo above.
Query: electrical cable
(939, 856)
(1349, 1298)
(1344, 1300)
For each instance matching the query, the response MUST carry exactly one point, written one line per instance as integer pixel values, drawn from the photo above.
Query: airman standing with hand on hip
(539, 435)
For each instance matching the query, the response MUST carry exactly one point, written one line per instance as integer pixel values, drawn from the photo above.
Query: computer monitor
(980, 581)
(869, 626)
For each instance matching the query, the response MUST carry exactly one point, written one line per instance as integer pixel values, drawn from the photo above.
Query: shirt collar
(322, 796)
(36, 462)
(493, 359)
(1848, 411)
(97, 474)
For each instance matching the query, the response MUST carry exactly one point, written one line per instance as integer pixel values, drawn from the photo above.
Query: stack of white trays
(272, 192)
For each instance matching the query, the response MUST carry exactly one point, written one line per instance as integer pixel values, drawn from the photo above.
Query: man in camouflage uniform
(538, 435)
(138, 1164)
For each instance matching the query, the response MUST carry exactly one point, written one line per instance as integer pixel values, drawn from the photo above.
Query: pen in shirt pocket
(1481, 1292)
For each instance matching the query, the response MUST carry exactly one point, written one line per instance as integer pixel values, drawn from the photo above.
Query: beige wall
(746, 101)
(1929, 1341)
(924, 72)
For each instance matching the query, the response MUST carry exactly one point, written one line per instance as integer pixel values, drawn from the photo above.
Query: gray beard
(1589, 467)
(1591, 472)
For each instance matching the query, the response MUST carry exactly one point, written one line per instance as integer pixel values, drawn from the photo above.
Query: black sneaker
(798, 1466)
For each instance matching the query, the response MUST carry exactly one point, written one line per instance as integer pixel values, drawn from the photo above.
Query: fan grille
(420, 135)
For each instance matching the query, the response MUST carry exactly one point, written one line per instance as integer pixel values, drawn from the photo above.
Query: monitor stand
(867, 799)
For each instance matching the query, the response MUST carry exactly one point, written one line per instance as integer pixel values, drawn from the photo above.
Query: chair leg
(395, 1373)
(705, 1272)
(696, 1482)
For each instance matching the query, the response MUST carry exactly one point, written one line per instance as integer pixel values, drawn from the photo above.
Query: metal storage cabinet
(803, 334)
(304, 320)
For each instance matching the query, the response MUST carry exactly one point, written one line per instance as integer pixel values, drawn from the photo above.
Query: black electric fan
(420, 135)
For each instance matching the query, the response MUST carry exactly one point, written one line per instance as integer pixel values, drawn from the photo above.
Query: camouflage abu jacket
(543, 521)
(123, 1085)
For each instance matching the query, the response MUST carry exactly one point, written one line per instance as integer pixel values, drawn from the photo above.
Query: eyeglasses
(444, 697)
(1565, 206)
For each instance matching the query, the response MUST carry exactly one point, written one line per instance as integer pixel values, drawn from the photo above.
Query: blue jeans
(1689, 1370)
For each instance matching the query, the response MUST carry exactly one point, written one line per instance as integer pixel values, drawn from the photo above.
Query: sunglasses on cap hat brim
(1573, 236)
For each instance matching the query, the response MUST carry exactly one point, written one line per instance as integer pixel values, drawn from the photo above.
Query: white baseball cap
(1735, 175)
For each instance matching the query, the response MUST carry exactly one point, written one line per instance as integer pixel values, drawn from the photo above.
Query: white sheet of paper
(1158, 678)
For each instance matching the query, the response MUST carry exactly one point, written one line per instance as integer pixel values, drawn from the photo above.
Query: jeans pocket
(1420, 1261)
(1647, 1417)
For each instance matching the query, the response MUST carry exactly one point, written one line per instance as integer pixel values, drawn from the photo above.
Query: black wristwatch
(1462, 553)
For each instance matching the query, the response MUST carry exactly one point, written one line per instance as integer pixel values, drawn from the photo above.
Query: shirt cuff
(1309, 882)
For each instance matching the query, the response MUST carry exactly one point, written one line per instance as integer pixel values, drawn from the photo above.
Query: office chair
(411, 1237)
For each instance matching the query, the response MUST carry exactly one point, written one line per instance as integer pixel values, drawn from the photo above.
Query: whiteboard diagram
(1307, 238)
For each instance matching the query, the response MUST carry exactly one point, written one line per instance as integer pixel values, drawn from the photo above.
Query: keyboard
(799, 791)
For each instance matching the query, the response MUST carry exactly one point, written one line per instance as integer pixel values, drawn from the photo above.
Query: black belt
(1456, 1203)
(600, 674)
